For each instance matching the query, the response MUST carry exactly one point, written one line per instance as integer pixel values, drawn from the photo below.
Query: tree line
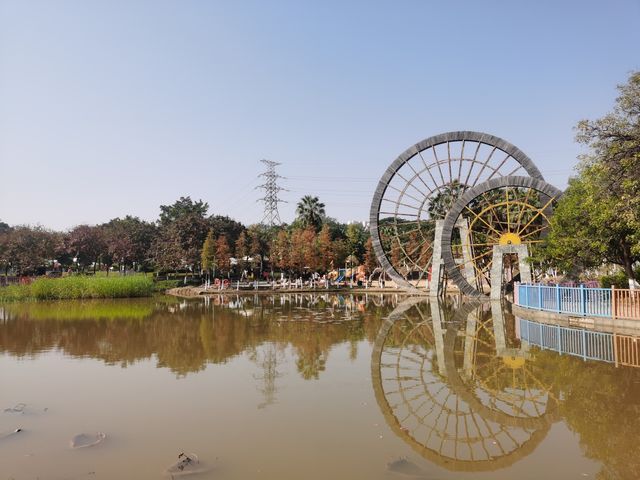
(186, 238)
(597, 220)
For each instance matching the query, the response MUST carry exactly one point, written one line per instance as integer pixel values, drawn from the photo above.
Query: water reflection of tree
(186, 338)
(267, 359)
(602, 404)
(598, 401)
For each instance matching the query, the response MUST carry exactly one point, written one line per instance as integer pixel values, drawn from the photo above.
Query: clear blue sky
(114, 107)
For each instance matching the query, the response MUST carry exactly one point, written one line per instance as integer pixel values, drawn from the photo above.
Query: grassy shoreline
(75, 288)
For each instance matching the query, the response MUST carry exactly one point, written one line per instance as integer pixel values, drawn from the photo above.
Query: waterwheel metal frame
(548, 192)
(427, 184)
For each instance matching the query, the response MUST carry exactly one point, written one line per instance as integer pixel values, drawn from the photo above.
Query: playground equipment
(418, 239)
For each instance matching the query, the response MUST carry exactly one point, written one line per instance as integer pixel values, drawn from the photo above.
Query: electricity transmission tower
(271, 216)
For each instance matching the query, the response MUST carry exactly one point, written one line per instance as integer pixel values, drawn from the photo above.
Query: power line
(271, 188)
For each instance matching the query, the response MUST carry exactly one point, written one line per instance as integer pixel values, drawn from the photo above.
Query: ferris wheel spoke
(483, 221)
(513, 172)
(426, 167)
(409, 183)
(449, 161)
(417, 175)
(473, 260)
(537, 230)
(401, 214)
(394, 202)
(435, 155)
(538, 213)
(473, 164)
(426, 256)
(405, 194)
(495, 170)
(526, 204)
(484, 165)
(417, 247)
(490, 244)
(494, 214)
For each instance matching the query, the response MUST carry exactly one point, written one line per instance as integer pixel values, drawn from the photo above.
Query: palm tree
(310, 211)
(440, 205)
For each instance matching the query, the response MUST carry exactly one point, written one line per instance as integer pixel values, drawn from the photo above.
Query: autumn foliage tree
(223, 254)
(326, 250)
(370, 259)
(242, 249)
(280, 251)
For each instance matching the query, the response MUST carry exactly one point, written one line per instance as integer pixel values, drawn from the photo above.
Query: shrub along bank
(79, 287)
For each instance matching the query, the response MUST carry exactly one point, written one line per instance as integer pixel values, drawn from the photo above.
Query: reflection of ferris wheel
(426, 402)
(492, 378)
(420, 186)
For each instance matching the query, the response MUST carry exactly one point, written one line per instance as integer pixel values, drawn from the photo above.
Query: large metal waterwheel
(419, 188)
(511, 210)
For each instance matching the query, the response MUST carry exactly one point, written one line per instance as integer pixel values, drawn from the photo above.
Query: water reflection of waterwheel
(425, 401)
(420, 186)
(500, 381)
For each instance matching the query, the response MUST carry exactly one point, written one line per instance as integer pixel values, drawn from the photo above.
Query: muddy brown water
(304, 387)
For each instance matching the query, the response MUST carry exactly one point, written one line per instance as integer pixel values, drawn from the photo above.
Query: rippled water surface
(311, 387)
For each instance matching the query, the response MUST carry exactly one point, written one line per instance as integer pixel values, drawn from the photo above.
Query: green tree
(182, 207)
(310, 211)
(441, 203)
(179, 244)
(208, 255)
(598, 219)
(356, 238)
(182, 230)
(224, 225)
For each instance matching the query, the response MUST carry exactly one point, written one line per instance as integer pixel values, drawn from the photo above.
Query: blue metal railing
(594, 302)
(581, 343)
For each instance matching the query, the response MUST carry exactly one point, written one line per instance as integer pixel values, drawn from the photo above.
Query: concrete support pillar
(497, 316)
(438, 333)
(437, 265)
(469, 344)
(499, 251)
(467, 255)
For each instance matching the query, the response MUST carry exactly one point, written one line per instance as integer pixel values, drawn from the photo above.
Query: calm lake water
(305, 387)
